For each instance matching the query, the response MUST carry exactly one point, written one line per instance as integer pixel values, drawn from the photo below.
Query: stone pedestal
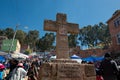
(65, 69)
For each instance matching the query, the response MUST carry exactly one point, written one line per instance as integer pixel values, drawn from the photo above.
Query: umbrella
(2, 66)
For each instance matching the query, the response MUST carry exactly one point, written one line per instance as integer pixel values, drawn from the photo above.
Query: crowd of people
(14, 69)
(108, 69)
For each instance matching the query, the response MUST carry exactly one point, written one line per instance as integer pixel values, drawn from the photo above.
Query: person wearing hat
(108, 68)
(13, 63)
(18, 73)
(2, 72)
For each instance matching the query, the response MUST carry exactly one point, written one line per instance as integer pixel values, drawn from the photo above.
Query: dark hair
(108, 54)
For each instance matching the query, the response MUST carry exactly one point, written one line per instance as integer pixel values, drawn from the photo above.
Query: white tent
(76, 58)
(53, 57)
(19, 55)
(3, 53)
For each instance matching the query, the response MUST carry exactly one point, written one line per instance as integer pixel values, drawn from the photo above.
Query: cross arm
(50, 25)
(73, 28)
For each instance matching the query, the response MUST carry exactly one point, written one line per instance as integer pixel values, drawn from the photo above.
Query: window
(118, 38)
(117, 22)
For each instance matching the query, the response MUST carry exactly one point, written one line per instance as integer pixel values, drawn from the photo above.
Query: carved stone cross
(62, 28)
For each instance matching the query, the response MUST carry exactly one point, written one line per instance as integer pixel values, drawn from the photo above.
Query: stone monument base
(66, 69)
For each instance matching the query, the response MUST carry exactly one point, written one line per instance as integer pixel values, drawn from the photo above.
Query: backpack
(8, 77)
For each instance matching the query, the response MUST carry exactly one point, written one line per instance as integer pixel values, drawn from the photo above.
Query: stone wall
(65, 69)
(114, 30)
(89, 52)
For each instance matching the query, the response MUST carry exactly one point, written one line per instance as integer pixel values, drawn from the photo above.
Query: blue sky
(32, 13)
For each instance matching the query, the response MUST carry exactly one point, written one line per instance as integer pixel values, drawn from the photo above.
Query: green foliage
(89, 36)
(46, 42)
(9, 32)
(92, 35)
(28, 51)
(32, 38)
(104, 35)
(1, 32)
(20, 35)
(72, 40)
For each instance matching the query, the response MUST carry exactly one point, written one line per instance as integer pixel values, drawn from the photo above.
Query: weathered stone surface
(67, 70)
(90, 78)
(63, 61)
(63, 68)
(62, 27)
(45, 72)
(89, 70)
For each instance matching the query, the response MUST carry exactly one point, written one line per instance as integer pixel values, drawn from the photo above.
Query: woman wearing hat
(2, 72)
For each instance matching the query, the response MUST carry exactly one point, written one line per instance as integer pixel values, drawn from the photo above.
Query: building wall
(7, 45)
(1, 40)
(18, 47)
(114, 30)
(89, 52)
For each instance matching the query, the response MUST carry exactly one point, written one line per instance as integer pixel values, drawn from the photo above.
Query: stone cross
(62, 28)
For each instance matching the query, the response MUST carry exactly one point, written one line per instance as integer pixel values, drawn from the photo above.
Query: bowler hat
(108, 54)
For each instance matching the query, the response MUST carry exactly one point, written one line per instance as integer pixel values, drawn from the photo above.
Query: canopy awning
(93, 58)
(75, 57)
(19, 55)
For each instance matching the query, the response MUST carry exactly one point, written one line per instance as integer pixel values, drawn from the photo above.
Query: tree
(20, 35)
(1, 32)
(9, 32)
(104, 35)
(92, 35)
(32, 38)
(28, 51)
(46, 42)
(86, 36)
(72, 40)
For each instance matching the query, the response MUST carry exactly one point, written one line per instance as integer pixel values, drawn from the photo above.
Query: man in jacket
(108, 68)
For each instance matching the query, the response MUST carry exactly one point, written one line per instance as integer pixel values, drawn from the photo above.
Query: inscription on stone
(67, 71)
(89, 70)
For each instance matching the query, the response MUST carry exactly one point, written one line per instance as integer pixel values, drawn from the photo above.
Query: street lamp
(13, 39)
(12, 43)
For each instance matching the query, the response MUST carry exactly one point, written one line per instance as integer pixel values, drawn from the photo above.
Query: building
(24, 47)
(1, 40)
(114, 28)
(7, 46)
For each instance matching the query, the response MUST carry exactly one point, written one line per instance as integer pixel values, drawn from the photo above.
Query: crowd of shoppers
(108, 69)
(15, 69)
(28, 69)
